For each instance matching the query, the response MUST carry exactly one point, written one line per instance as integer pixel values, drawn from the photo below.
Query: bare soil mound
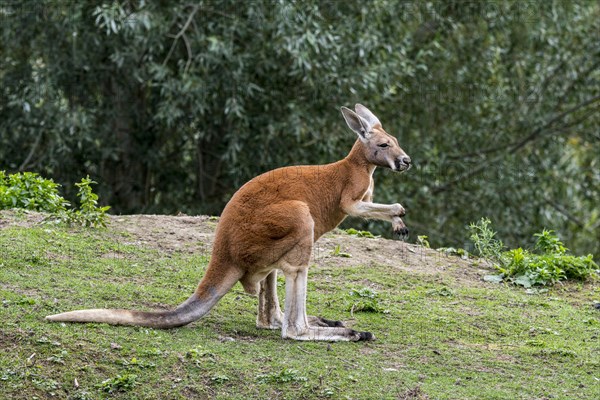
(337, 248)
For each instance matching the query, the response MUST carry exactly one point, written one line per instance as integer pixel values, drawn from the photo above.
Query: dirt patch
(400, 255)
(415, 393)
(195, 234)
(11, 340)
(168, 233)
(23, 218)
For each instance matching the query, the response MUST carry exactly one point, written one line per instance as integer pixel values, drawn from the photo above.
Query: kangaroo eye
(383, 145)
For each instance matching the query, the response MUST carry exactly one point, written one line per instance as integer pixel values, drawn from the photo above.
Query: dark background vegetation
(171, 106)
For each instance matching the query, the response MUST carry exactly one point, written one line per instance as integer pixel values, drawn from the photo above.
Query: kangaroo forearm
(385, 212)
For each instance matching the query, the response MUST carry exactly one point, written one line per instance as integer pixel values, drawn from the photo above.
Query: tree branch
(181, 33)
(560, 116)
(31, 153)
(536, 132)
(564, 212)
(189, 53)
(574, 82)
(516, 146)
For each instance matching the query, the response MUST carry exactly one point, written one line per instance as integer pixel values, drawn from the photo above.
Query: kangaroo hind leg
(269, 313)
(296, 324)
(294, 250)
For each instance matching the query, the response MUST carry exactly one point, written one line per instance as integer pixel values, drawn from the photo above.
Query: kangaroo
(271, 224)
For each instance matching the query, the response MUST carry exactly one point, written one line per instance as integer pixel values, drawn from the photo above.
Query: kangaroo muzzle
(402, 163)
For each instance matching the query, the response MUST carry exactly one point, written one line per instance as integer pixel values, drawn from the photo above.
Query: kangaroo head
(380, 148)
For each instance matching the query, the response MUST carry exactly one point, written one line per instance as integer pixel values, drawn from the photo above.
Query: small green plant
(89, 214)
(285, 376)
(365, 234)
(365, 300)
(220, 379)
(548, 242)
(200, 357)
(443, 292)
(47, 385)
(11, 375)
(154, 351)
(198, 352)
(22, 301)
(58, 358)
(337, 252)
(483, 237)
(136, 363)
(529, 269)
(82, 395)
(453, 251)
(423, 240)
(120, 383)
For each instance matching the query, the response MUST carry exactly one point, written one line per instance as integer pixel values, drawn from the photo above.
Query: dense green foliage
(549, 263)
(173, 105)
(30, 191)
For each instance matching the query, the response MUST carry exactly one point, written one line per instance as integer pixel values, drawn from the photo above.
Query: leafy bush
(551, 263)
(551, 266)
(30, 191)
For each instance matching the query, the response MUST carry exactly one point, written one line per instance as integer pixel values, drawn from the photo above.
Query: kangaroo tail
(211, 288)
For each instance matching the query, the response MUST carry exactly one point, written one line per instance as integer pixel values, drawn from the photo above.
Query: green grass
(453, 341)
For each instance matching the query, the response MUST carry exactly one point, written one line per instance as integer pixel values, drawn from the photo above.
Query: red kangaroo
(271, 224)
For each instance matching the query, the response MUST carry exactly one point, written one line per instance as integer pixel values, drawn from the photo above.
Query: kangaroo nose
(406, 160)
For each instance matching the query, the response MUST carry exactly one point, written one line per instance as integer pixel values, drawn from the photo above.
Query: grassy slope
(442, 338)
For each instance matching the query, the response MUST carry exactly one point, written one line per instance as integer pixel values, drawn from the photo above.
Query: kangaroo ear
(367, 114)
(357, 123)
